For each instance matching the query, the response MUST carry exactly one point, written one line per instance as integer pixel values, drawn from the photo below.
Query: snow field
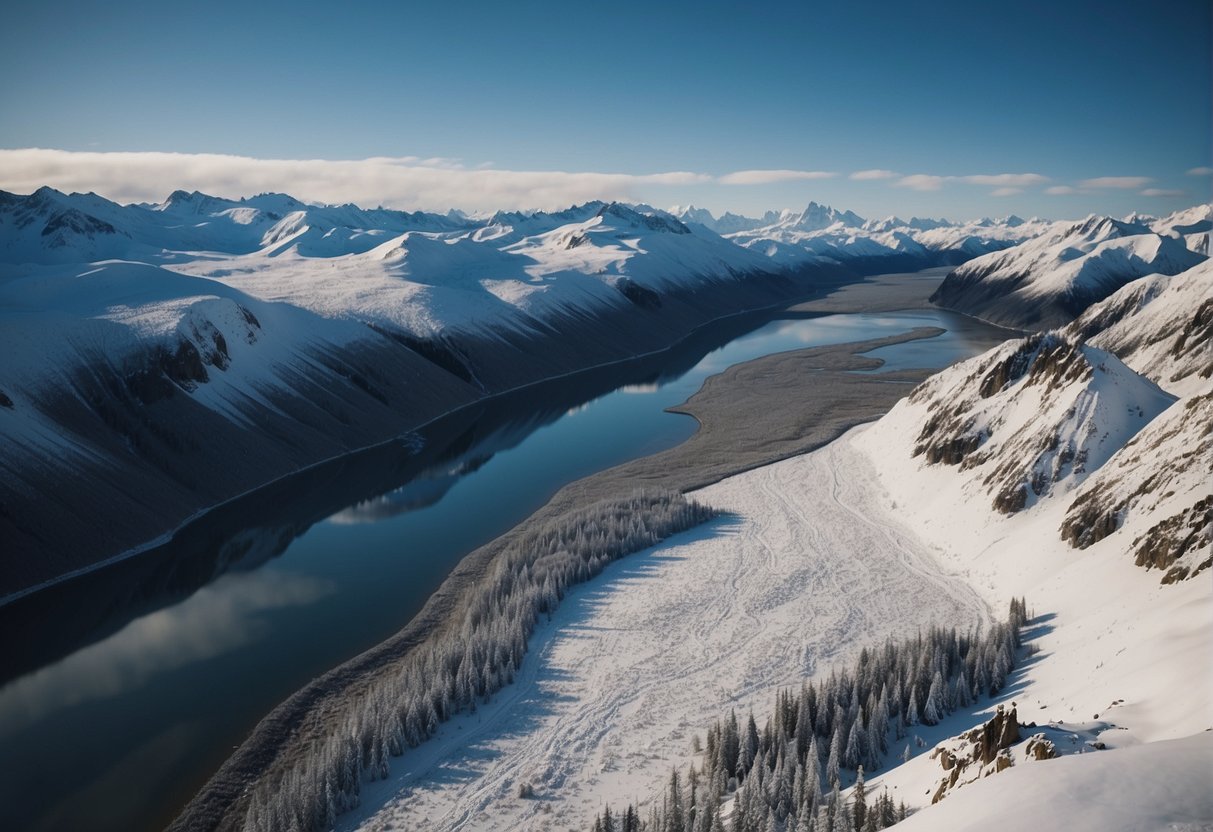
(802, 574)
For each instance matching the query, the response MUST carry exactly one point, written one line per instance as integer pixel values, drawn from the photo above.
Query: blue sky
(1055, 93)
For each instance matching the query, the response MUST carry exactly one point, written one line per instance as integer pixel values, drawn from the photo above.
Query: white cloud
(874, 173)
(1116, 182)
(1006, 180)
(215, 620)
(1006, 184)
(1163, 192)
(921, 182)
(1201, 171)
(767, 177)
(400, 182)
(1061, 190)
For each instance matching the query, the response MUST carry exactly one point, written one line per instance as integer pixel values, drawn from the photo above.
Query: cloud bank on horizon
(439, 184)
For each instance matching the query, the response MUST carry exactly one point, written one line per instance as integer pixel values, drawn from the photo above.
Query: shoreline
(829, 286)
(745, 421)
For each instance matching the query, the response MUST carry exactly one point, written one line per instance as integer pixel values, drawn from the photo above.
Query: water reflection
(216, 619)
(410, 473)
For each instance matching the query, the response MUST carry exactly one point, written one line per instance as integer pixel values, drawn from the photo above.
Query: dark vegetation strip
(789, 776)
(466, 662)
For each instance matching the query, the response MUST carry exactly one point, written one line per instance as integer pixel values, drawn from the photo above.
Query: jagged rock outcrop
(978, 753)
(1032, 417)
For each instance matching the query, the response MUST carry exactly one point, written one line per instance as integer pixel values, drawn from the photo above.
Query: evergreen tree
(935, 707)
(859, 806)
(835, 758)
(674, 818)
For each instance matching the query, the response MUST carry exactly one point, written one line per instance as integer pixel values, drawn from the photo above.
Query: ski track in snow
(805, 571)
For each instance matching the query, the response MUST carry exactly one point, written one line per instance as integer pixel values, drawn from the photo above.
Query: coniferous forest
(467, 663)
(788, 776)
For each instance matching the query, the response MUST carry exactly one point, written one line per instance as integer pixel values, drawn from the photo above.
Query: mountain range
(288, 333)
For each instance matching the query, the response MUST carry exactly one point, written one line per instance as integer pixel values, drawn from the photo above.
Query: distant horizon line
(437, 184)
(676, 211)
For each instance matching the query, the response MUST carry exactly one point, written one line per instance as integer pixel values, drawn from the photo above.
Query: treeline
(467, 662)
(788, 776)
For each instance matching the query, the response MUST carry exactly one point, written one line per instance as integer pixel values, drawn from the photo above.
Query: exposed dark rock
(1196, 334)
(435, 350)
(951, 451)
(1170, 539)
(1000, 732)
(249, 318)
(1089, 520)
(1058, 363)
(989, 745)
(1040, 748)
(78, 222)
(5, 401)
(1010, 368)
(642, 296)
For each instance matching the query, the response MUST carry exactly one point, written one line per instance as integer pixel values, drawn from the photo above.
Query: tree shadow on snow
(466, 748)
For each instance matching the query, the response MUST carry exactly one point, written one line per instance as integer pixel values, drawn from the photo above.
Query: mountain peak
(817, 216)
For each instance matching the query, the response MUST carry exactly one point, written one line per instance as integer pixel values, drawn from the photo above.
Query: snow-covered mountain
(1101, 416)
(726, 223)
(52, 227)
(823, 234)
(131, 330)
(1159, 482)
(1160, 326)
(1075, 467)
(1032, 417)
(286, 333)
(1049, 280)
(1192, 225)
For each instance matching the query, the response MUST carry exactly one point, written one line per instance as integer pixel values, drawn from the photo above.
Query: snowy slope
(1125, 659)
(1192, 225)
(1161, 326)
(1030, 418)
(1149, 788)
(1048, 281)
(225, 347)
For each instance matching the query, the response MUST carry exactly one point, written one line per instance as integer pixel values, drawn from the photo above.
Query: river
(125, 689)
